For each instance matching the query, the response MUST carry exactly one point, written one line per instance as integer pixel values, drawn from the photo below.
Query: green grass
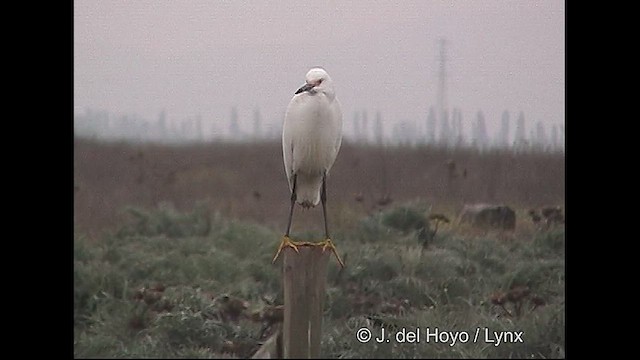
(389, 281)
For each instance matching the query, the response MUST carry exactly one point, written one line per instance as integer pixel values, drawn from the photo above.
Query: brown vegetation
(516, 296)
(247, 181)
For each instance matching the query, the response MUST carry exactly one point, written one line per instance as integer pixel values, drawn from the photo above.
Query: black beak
(304, 88)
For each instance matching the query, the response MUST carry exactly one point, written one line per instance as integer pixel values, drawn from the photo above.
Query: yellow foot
(329, 244)
(286, 241)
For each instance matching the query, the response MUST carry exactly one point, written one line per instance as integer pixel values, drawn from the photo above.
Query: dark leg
(327, 243)
(286, 241)
(293, 202)
(323, 198)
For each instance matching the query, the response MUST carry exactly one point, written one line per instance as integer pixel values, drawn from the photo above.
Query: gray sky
(203, 57)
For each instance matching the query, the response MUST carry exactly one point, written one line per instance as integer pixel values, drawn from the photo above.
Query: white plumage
(311, 136)
(311, 139)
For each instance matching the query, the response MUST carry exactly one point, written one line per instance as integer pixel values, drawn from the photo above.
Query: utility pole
(234, 127)
(257, 124)
(441, 94)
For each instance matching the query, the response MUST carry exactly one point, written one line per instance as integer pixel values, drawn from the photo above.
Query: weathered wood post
(304, 277)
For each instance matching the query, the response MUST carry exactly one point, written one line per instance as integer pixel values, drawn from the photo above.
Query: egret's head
(317, 80)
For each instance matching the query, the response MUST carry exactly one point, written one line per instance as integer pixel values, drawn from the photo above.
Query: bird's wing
(337, 117)
(287, 150)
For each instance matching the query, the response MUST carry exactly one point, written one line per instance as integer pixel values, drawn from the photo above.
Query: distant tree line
(446, 130)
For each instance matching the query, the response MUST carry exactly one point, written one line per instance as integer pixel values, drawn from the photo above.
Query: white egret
(311, 139)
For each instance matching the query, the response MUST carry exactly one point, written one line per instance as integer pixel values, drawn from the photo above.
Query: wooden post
(305, 277)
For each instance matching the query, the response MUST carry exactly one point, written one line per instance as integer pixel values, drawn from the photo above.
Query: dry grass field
(247, 181)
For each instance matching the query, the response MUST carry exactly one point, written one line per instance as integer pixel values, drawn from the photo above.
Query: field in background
(173, 248)
(247, 181)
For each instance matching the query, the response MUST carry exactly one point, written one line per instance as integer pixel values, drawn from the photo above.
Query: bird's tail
(308, 190)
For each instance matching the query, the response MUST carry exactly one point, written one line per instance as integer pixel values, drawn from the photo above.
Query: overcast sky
(203, 57)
